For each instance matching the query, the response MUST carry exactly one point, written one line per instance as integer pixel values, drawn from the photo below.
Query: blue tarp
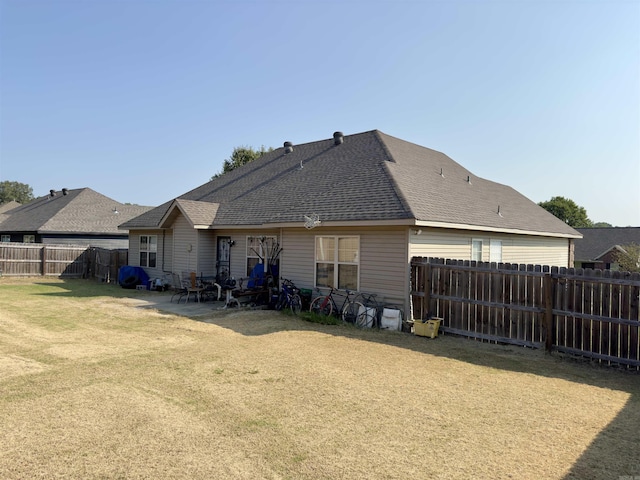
(129, 277)
(257, 276)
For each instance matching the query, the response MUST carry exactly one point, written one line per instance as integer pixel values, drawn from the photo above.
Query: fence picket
(584, 312)
(80, 261)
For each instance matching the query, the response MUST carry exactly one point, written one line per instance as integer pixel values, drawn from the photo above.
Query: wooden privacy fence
(591, 313)
(80, 261)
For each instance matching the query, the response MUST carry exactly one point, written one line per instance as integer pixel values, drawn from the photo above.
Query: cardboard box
(428, 328)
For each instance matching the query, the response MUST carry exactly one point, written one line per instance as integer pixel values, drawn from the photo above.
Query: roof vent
(65, 191)
(338, 138)
(288, 147)
(52, 193)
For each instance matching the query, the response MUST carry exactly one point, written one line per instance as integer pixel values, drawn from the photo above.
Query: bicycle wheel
(295, 302)
(366, 317)
(281, 302)
(321, 306)
(351, 312)
(372, 309)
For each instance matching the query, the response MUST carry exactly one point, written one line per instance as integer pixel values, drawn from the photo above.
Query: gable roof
(5, 209)
(370, 178)
(596, 242)
(77, 211)
(199, 214)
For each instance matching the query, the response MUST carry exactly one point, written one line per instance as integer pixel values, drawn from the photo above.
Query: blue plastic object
(130, 277)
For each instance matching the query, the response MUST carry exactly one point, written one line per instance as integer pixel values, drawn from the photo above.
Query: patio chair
(179, 290)
(190, 282)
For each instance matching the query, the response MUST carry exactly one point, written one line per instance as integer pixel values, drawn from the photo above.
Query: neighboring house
(379, 201)
(7, 207)
(76, 216)
(599, 246)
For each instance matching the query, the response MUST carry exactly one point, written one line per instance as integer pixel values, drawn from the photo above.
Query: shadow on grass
(85, 289)
(616, 445)
(613, 454)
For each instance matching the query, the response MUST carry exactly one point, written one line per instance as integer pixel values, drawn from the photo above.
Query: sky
(143, 100)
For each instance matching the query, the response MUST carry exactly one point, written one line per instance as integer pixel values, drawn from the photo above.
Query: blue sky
(142, 100)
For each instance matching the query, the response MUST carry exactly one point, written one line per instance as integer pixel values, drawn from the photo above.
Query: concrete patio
(162, 301)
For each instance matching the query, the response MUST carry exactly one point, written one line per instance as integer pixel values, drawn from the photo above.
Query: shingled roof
(369, 178)
(76, 211)
(596, 242)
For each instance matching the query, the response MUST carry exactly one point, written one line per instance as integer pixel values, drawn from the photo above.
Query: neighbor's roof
(79, 211)
(372, 178)
(5, 209)
(596, 242)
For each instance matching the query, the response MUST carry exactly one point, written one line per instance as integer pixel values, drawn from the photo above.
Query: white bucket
(391, 319)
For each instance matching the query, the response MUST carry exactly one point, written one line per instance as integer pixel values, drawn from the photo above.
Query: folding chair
(179, 290)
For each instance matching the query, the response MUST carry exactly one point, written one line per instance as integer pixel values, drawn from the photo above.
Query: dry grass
(93, 387)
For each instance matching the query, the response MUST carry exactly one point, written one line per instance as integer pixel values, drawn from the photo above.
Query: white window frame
(28, 239)
(495, 250)
(333, 258)
(266, 242)
(5, 238)
(145, 253)
(474, 249)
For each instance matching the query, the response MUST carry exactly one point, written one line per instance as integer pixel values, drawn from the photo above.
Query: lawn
(94, 386)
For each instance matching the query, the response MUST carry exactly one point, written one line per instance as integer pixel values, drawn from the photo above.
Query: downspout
(164, 232)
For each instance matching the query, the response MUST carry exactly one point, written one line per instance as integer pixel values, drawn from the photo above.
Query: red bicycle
(349, 311)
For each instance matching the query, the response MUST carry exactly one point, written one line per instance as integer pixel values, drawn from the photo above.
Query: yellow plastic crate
(428, 328)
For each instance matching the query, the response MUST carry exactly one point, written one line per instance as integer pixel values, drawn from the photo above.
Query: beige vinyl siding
(442, 243)
(167, 251)
(297, 262)
(134, 247)
(238, 256)
(526, 249)
(384, 266)
(162, 252)
(206, 253)
(183, 236)
(536, 251)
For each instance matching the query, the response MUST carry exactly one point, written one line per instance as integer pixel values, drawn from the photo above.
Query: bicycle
(369, 317)
(326, 305)
(289, 297)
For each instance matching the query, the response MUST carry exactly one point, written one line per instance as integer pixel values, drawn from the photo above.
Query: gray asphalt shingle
(370, 177)
(79, 211)
(597, 241)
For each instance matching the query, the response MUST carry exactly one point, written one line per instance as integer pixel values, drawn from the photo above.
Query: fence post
(548, 312)
(43, 263)
(427, 290)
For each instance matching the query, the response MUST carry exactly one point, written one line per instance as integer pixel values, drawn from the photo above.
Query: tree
(602, 225)
(241, 156)
(568, 211)
(20, 192)
(628, 257)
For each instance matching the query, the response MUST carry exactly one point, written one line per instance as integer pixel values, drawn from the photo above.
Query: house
(70, 216)
(7, 207)
(598, 247)
(348, 211)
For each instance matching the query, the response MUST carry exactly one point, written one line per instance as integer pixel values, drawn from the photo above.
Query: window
(337, 262)
(476, 250)
(29, 239)
(260, 249)
(6, 238)
(148, 250)
(495, 251)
